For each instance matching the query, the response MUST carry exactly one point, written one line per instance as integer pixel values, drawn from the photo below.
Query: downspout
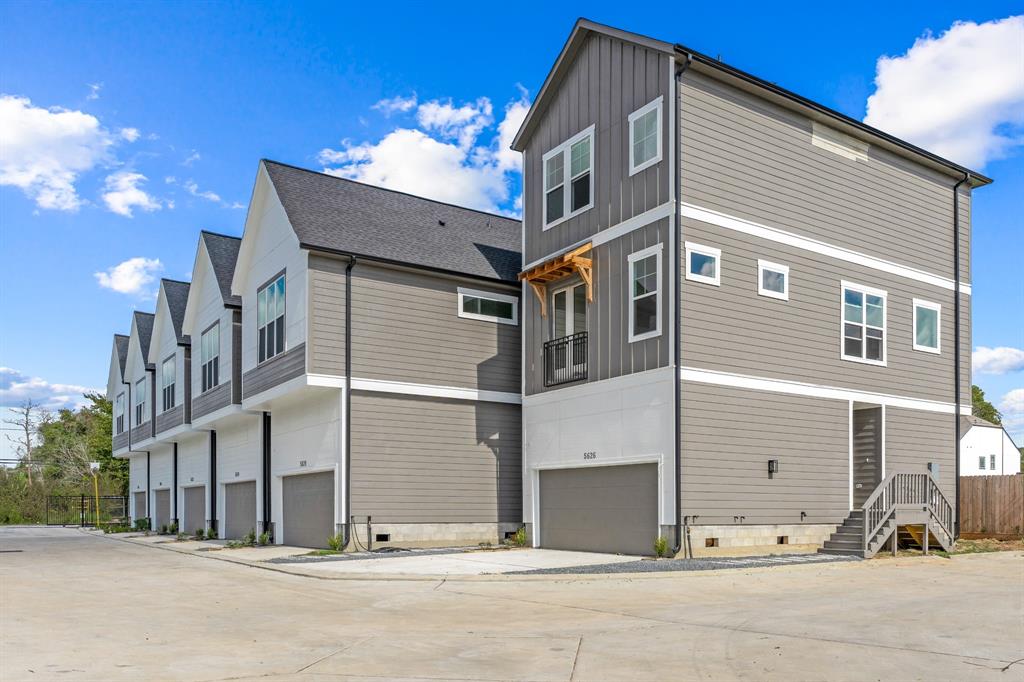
(213, 482)
(149, 507)
(678, 275)
(266, 431)
(347, 454)
(956, 342)
(174, 475)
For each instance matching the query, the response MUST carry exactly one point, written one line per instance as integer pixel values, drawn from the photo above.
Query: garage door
(239, 509)
(600, 509)
(308, 509)
(140, 505)
(161, 508)
(195, 509)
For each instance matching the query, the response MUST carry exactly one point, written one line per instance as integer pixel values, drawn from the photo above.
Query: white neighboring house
(986, 449)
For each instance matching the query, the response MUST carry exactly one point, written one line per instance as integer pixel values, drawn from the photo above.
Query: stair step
(852, 537)
(844, 552)
(844, 544)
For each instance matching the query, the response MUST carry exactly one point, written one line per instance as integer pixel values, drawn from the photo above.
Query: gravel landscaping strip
(705, 564)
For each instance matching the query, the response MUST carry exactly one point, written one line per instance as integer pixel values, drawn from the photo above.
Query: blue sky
(136, 125)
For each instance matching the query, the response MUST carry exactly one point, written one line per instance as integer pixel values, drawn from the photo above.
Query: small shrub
(141, 524)
(163, 530)
(199, 534)
(661, 547)
(173, 528)
(336, 542)
(519, 539)
(183, 536)
(249, 539)
(211, 534)
(117, 528)
(263, 540)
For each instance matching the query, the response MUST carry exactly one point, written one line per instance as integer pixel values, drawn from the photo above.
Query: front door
(867, 452)
(569, 317)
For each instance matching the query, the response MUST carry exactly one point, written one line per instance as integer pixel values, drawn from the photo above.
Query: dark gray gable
(177, 297)
(343, 216)
(144, 324)
(223, 252)
(121, 345)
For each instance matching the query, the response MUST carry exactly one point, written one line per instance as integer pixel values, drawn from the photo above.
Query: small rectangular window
(927, 318)
(773, 280)
(981, 462)
(863, 324)
(488, 306)
(992, 462)
(645, 137)
(209, 356)
(140, 402)
(645, 293)
(270, 319)
(568, 178)
(702, 264)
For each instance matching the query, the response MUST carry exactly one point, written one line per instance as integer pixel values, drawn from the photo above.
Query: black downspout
(678, 274)
(266, 472)
(175, 483)
(149, 503)
(213, 482)
(348, 400)
(956, 342)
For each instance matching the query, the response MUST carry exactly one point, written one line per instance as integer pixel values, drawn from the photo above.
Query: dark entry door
(867, 453)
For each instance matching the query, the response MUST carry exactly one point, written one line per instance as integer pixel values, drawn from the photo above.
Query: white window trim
(843, 286)
(763, 265)
(647, 108)
(692, 248)
(566, 180)
(477, 293)
(173, 358)
(919, 303)
(284, 346)
(655, 250)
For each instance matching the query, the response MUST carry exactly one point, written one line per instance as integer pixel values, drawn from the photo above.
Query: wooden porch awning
(557, 268)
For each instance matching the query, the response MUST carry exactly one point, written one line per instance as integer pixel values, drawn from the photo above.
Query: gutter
(956, 341)
(678, 274)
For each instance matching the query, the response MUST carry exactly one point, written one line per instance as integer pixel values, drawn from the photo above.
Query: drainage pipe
(347, 452)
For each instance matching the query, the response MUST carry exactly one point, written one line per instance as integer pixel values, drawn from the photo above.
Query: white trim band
(776, 235)
(430, 390)
(709, 376)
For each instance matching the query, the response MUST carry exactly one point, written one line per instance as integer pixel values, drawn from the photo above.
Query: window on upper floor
(645, 293)
(270, 319)
(981, 462)
(863, 333)
(927, 317)
(773, 280)
(702, 264)
(992, 462)
(119, 414)
(645, 137)
(568, 178)
(140, 402)
(488, 306)
(209, 357)
(167, 383)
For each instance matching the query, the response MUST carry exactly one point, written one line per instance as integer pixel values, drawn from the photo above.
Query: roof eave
(416, 266)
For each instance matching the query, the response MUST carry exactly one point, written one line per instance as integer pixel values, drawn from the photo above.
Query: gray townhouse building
(350, 366)
(740, 323)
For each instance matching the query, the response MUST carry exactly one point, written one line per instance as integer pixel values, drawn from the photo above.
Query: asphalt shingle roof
(345, 216)
(121, 343)
(177, 297)
(144, 323)
(223, 252)
(967, 421)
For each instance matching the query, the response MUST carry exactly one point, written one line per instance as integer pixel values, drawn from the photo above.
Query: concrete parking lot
(79, 606)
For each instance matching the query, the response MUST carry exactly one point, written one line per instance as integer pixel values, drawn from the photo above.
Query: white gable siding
(986, 441)
(205, 295)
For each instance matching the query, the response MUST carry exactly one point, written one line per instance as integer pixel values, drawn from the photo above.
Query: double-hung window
(140, 402)
(270, 319)
(488, 306)
(981, 462)
(568, 178)
(645, 293)
(167, 382)
(645, 137)
(863, 324)
(927, 317)
(992, 462)
(209, 357)
(119, 413)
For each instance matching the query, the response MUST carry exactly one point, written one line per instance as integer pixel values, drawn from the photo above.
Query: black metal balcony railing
(565, 359)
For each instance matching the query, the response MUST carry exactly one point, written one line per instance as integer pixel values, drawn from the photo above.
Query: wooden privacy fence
(992, 506)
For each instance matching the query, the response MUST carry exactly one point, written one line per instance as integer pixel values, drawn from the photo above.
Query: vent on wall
(382, 537)
(711, 542)
(782, 540)
(839, 143)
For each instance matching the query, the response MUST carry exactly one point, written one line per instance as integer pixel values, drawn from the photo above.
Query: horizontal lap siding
(914, 438)
(746, 157)
(326, 315)
(424, 460)
(212, 400)
(142, 432)
(728, 436)
(731, 328)
(119, 441)
(170, 418)
(276, 371)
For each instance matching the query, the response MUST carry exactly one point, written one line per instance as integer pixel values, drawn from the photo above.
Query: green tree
(983, 408)
(72, 439)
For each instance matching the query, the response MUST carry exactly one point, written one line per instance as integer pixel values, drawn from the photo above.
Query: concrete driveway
(78, 606)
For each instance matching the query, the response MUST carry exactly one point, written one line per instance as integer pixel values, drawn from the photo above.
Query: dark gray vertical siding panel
(236, 357)
(188, 386)
(914, 438)
(728, 436)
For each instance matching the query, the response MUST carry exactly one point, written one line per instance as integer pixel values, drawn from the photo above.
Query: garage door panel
(140, 505)
(195, 509)
(308, 509)
(600, 509)
(239, 509)
(162, 508)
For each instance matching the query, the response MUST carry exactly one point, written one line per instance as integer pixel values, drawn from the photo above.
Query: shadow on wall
(505, 262)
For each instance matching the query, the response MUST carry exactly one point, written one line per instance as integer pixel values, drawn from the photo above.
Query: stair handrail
(879, 507)
(911, 488)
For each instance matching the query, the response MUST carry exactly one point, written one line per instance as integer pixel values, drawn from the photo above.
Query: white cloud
(129, 134)
(132, 276)
(444, 158)
(45, 150)
(191, 158)
(1012, 409)
(192, 188)
(122, 193)
(17, 387)
(960, 95)
(94, 91)
(397, 104)
(1000, 360)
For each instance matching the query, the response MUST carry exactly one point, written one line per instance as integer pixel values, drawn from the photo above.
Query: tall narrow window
(992, 462)
(568, 178)
(270, 319)
(645, 294)
(863, 324)
(927, 317)
(645, 137)
(981, 462)
(119, 413)
(209, 357)
(140, 402)
(167, 382)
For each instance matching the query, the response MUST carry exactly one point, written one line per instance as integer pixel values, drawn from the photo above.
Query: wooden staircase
(908, 506)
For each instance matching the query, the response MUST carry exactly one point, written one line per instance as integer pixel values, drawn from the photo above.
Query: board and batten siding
(750, 158)
(607, 81)
(429, 460)
(728, 436)
(731, 328)
(610, 353)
